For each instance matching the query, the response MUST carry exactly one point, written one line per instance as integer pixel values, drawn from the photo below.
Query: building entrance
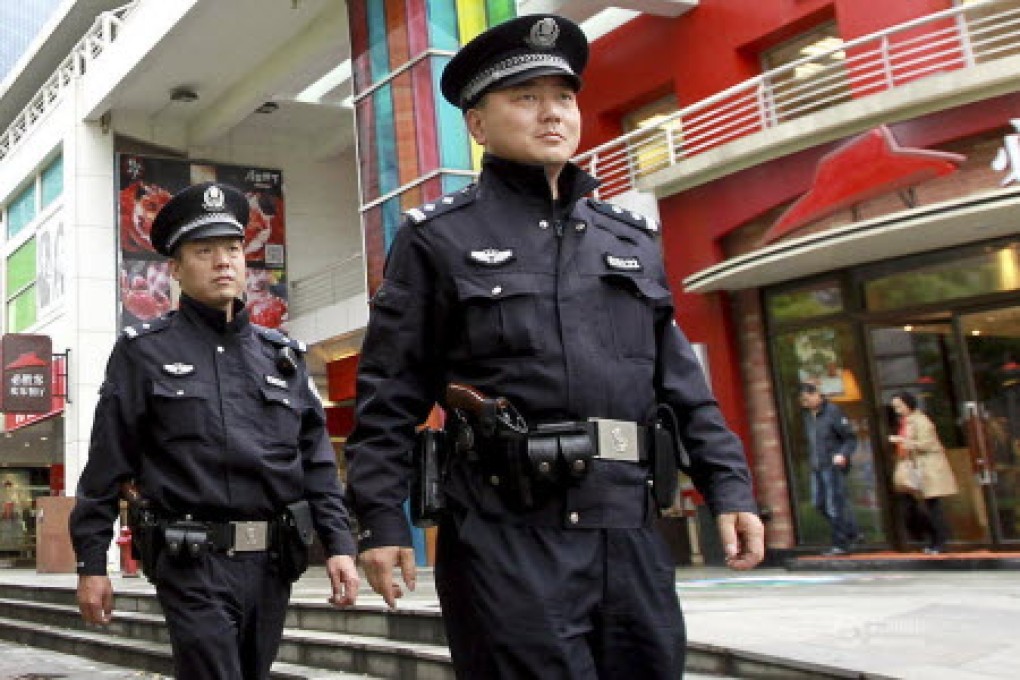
(964, 370)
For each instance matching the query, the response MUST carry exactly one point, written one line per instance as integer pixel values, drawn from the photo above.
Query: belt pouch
(185, 539)
(543, 453)
(296, 533)
(427, 502)
(664, 469)
(577, 453)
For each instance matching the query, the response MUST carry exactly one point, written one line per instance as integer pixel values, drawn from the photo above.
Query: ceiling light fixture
(183, 94)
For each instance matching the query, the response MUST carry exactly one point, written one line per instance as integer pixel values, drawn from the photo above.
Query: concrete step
(318, 640)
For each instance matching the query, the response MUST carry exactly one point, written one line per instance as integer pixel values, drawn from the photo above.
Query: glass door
(992, 414)
(922, 356)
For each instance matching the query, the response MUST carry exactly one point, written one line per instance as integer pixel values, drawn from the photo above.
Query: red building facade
(898, 272)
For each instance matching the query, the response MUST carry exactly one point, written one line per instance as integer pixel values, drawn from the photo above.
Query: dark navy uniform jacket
(194, 408)
(561, 307)
(829, 433)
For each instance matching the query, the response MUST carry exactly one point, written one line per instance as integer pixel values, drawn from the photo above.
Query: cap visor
(214, 230)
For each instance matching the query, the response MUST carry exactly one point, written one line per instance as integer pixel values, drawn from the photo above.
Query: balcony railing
(103, 32)
(951, 40)
(332, 284)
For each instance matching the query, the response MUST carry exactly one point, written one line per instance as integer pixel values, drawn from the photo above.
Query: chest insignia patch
(276, 382)
(178, 369)
(623, 264)
(491, 257)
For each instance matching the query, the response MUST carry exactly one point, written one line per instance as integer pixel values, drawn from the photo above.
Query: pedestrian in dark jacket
(548, 562)
(831, 442)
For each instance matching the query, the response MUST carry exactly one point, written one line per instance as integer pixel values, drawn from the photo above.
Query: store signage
(27, 362)
(871, 165)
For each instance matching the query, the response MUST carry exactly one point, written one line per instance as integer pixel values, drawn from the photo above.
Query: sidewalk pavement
(958, 625)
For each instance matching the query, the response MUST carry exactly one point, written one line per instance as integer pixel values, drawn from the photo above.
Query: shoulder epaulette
(629, 217)
(279, 339)
(445, 204)
(146, 327)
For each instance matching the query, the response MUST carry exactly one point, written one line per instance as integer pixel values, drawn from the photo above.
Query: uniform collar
(529, 181)
(214, 318)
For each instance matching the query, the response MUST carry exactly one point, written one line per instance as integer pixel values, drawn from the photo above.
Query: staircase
(320, 642)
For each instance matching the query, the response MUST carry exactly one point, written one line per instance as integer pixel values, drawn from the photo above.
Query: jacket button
(580, 226)
(574, 518)
(497, 290)
(494, 480)
(180, 393)
(543, 224)
(220, 349)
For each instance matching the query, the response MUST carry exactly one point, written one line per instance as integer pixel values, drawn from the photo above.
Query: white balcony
(940, 61)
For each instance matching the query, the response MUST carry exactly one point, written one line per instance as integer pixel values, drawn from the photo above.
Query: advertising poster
(146, 183)
(50, 263)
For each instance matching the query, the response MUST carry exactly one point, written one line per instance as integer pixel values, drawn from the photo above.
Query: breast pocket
(631, 302)
(280, 421)
(183, 410)
(501, 314)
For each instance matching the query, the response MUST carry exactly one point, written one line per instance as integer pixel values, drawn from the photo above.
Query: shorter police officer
(212, 426)
(550, 315)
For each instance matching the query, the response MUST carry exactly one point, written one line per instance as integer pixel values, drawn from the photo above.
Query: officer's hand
(743, 539)
(95, 599)
(379, 563)
(344, 579)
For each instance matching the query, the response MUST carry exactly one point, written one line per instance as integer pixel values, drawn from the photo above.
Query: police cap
(513, 52)
(201, 211)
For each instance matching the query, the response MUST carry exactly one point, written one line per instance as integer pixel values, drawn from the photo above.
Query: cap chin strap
(201, 221)
(511, 67)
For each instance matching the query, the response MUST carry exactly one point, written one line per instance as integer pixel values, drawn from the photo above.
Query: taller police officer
(217, 422)
(548, 563)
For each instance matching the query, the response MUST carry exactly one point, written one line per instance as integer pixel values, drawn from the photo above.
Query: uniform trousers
(225, 614)
(550, 604)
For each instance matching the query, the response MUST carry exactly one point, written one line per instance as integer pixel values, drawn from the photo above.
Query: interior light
(908, 328)
(975, 332)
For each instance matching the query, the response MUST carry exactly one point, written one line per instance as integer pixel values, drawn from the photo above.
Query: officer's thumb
(407, 568)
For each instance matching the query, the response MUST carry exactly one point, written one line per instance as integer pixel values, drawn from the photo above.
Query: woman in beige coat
(917, 437)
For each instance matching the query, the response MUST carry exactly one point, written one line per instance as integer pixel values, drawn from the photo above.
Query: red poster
(146, 183)
(27, 364)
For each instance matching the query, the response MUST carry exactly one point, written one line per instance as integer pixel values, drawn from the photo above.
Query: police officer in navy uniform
(522, 288)
(219, 425)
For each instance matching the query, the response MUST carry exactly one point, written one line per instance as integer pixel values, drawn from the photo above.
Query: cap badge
(543, 34)
(213, 199)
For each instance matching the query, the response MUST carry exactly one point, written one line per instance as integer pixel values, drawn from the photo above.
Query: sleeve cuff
(384, 529)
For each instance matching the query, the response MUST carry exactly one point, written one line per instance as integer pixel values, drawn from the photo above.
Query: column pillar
(412, 145)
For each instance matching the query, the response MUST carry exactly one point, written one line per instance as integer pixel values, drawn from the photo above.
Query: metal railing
(336, 282)
(951, 40)
(103, 32)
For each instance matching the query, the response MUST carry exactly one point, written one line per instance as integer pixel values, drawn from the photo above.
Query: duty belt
(229, 537)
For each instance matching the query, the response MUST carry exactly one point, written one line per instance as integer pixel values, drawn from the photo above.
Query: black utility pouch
(427, 500)
(146, 537)
(296, 533)
(667, 452)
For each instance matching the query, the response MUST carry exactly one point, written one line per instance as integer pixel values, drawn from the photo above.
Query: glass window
(828, 356)
(53, 181)
(651, 151)
(996, 270)
(21, 210)
(21, 267)
(21, 310)
(818, 83)
(818, 299)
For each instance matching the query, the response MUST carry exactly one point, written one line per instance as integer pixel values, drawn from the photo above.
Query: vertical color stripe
(500, 10)
(358, 20)
(453, 139)
(378, 54)
(382, 104)
(417, 27)
(391, 219)
(367, 153)
(442, 18)
(425, 117)
(404, 126)
(470, 18)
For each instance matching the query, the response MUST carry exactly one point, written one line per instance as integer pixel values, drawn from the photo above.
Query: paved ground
(28, 663)
(917, 624)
